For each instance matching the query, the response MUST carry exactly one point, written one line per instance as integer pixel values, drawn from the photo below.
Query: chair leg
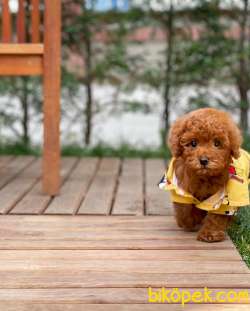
(52, 75)
(51, 151)
(51, 123)
(51, 148)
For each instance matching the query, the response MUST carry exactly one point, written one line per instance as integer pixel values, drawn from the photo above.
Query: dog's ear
(235, 139)
(174, 137)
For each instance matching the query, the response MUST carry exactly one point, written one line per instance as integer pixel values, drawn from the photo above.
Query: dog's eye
(193, 143)
(217, 143)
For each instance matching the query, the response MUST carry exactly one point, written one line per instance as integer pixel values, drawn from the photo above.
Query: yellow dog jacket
(227, 200)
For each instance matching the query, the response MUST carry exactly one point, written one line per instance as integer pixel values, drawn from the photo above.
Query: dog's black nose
(204, 161)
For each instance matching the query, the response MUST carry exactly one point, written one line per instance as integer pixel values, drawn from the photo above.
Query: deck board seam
(21, 197)
(97, 167)
(115, 190)
(18, 173)
(144, 187)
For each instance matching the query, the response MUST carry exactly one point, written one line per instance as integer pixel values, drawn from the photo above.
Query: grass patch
(246, 142)
(240, 230)
(101, 150)
(123, 151)
(19, 149)
(240, 233)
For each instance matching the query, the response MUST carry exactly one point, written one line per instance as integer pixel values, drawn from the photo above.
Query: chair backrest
(30, 36)
(24, 25)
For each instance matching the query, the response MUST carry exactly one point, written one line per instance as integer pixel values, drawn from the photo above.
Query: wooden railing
(27, 22)
(30, 45)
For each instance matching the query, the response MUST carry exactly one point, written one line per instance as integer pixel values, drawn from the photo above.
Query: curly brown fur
(210, 136)
(188, 216)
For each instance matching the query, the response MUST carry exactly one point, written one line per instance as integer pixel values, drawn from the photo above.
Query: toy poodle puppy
(208, 175)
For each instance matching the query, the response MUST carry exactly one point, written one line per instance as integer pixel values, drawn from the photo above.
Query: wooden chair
(22, 56)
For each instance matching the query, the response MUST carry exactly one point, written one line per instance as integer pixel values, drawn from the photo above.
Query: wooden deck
(99, 245)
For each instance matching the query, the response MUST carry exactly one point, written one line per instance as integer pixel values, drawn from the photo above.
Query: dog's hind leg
(188, 216)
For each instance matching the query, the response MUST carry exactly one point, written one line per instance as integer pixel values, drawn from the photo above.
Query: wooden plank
(117, 235)
(100, 233)
(75, 188)
(110, 244)
(49, 234)
(100, 195)
(157, 201)
(32, 171)
(4, 161)
(92, 223)
(17, 188)
(22, 48)
(121, 307)
(13, 168)
(21, 31)
(20, 65)
(58, 278)
(68, 233)
(12, 193)
(139, 266)
(227, 255)
(6, 22)
(156, 222)
(84, 228)
(34, 202)
(98, 227)
(129, 198)
(35, 21)
(93, 295)
(51, 108)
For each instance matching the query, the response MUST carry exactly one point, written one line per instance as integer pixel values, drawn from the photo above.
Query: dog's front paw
(211, 236)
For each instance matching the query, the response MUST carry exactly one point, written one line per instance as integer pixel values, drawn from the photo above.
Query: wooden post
(52, 60)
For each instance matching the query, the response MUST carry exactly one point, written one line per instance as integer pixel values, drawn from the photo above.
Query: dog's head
(206, 139)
